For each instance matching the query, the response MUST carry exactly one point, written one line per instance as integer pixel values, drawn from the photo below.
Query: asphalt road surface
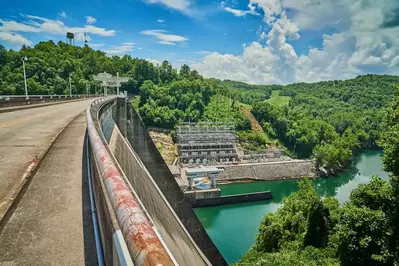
(24, 135)
(52, 222)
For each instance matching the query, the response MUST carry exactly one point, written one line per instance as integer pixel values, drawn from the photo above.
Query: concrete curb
(13, 198)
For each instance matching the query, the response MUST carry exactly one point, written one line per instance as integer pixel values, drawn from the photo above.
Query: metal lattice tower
(206, 142)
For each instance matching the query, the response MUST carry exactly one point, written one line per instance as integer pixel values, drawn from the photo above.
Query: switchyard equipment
(206, 142)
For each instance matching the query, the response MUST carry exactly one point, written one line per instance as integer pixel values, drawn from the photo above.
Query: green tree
(185, 71)
(318, 226)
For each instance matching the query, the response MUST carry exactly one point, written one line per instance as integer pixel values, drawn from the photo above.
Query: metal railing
(127, 234)
(20, 100)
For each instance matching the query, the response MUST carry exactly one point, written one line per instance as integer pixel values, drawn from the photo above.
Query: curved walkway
(52, 223)
(24, 135)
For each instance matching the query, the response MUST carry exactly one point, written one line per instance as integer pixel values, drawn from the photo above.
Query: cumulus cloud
(164, 37)
(13, 38)
(160, 20)
(91, 20)
(263, 35)
(271, 8)
(241, 13)
(366, 40)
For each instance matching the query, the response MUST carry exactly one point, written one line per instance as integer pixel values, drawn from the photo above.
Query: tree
(185, 71)
(318, 226)
(364, 237)
(390, 136)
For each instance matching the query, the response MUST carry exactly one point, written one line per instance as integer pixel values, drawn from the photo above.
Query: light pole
(25, 59)
(70, 86)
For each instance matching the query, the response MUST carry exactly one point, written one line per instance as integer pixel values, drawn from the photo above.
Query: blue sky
(255, 41)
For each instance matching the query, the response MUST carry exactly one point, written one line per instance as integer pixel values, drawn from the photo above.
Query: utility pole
(25, 59)
(117, 84)
(70, 86)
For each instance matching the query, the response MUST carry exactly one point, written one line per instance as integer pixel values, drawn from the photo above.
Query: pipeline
(100, 260)
(142, 241)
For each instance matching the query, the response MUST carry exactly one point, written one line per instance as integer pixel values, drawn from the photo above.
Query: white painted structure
(110, 81)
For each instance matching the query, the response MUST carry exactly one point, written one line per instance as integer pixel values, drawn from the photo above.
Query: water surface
(233, 228)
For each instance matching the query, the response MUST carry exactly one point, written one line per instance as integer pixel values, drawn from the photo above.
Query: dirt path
(254, 123)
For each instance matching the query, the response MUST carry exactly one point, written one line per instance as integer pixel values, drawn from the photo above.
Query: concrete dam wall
(269, 171)
(158, 190)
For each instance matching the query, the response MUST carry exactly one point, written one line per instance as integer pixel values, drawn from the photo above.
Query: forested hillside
(308, 230)
(328, 120)
(50, 64)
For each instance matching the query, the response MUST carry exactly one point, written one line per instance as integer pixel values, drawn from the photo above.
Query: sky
(254, 41)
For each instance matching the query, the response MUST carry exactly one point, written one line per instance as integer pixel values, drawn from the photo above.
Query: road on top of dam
(25, 134)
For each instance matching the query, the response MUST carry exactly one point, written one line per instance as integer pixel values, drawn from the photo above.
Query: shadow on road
(88, 231)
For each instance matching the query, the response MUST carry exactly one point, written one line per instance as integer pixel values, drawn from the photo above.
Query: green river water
(233, 228)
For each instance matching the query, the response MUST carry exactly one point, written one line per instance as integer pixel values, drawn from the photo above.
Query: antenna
(85, 37)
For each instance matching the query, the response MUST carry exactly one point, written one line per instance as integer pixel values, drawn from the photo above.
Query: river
(233, 228)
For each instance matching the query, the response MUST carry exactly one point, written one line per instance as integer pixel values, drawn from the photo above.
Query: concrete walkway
(52, 223)
(26, 134)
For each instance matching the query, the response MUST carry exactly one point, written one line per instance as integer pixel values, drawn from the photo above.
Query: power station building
(206, 142)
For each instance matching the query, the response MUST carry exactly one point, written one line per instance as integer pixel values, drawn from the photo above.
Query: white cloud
(366, 41)
(16, 26)
(166, 42)
(90, 20)
(13, 38)
(180, 5)
(263, 35)
(11, 30)
(119, 49)
(164, 37)
(203, 52)
(241, 13)
(154, 61)
(39, 24)
(160, 20)
(96, 45)
(271, 8)
(63, 14)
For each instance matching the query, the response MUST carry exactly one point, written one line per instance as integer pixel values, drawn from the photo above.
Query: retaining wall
(269, 171)
(257, 196)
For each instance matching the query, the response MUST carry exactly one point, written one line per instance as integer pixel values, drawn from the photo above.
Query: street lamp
(25, 59)
(70, 86)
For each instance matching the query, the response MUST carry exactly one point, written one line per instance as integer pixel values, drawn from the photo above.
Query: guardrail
(20, 100)
(127, 234)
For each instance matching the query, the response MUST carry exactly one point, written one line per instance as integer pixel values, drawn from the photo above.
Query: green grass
(247, 106)
(278, 100)
(136, 102)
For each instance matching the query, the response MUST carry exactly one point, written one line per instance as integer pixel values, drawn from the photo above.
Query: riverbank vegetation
(308, 230)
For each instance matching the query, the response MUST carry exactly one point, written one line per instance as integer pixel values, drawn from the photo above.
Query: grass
(136, 102)
(278, 100)
(246, 106)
